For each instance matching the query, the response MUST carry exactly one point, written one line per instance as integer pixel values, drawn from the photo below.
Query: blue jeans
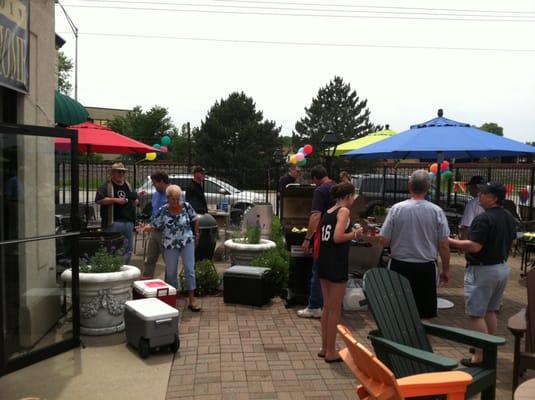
(316, 297)
(127, 230)
(171, 257)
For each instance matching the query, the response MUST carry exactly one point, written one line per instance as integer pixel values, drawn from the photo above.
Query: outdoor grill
(296, 203)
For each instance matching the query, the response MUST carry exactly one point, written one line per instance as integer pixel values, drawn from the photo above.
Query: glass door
(37, 319)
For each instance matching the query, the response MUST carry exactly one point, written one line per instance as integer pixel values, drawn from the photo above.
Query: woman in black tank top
(336, 235)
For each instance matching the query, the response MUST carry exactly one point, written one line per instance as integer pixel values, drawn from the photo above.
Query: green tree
(63, 73)
(492, 127)
(179, 145)
(235, 139)
(336, 109)
(146, 126)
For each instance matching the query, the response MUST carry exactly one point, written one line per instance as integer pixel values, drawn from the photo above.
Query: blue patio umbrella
(442, 138)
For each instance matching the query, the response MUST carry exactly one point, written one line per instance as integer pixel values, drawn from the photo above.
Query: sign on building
(14, 71)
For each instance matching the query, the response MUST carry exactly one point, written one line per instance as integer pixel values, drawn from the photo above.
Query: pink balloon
(307, 149)
(164, 149)
(300, 157)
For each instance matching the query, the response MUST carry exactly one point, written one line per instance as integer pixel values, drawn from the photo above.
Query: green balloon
(302, 163)
(447, 175)
(166, 140)
(156, 146)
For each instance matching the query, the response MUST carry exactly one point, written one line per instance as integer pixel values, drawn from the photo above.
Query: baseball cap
(199, 169)
(476, 180)
(495, 188)
(119, 166)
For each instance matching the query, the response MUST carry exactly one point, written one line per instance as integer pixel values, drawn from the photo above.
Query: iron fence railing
(260, 185)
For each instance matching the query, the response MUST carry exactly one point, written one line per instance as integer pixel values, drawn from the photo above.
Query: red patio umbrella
(93, 138)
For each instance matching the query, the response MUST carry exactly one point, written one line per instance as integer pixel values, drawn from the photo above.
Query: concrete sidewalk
(238, 352)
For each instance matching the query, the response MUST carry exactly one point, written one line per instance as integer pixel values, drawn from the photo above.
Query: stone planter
(243, 253)
(102, 298)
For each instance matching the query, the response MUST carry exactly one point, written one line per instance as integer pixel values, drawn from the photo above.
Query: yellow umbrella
(363, 141)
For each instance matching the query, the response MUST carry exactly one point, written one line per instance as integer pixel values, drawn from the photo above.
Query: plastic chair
(402, 343)
(378, 382)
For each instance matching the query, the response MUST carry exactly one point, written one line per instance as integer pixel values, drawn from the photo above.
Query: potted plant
(105, 285)
(243, 250)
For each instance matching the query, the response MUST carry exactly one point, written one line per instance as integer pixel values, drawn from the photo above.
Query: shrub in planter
(102, 261)
(206, 277)
(279, 268)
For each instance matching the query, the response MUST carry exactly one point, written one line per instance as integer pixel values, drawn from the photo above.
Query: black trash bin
(207, 241)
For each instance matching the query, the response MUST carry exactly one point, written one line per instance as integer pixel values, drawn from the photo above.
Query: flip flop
(334, 360)
(321, 355)
(194, 308)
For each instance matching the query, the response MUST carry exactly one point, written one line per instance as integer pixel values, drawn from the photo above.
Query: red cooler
(155, 288)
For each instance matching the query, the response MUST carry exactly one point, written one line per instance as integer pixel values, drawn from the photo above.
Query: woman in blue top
(174, 220)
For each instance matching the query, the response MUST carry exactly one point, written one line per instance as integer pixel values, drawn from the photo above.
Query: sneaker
(309, 313)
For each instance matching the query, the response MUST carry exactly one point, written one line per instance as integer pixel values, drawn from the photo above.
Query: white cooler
(155, 288)
(150, 324)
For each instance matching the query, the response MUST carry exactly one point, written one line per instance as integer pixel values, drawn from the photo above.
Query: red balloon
(307, 149)
(444, 166)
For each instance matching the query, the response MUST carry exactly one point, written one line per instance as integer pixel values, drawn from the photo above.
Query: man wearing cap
(473, 208)
(489, 242)
(195, 191)
(117, 206)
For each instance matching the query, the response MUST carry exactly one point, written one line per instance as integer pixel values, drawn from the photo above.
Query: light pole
(328, 143)
(74, 29)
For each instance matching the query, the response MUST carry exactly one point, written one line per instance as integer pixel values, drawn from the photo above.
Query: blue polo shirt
(159, 199)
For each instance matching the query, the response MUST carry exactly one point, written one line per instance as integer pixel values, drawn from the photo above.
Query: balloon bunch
(163, 146)
(300, 157)
(445, 172)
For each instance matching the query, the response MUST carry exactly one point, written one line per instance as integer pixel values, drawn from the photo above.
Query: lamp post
(328, 143)
(74, 29)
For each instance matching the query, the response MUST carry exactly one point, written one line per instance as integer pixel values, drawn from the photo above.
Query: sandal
(467, 362)
(334, 360)
(321, 355)
(194, 307)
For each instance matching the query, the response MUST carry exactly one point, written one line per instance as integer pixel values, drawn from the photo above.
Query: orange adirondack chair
(378, 382)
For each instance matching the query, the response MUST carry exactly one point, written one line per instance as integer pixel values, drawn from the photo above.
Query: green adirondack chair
(401, 340)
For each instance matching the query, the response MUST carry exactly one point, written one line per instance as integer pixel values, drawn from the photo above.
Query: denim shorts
(484, 286)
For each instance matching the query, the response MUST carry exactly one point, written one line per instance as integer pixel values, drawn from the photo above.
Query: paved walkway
(237, 352)
(241, 352)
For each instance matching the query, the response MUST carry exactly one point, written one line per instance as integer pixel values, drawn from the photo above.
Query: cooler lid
(149, 287)
(151, 309)
(245, 271)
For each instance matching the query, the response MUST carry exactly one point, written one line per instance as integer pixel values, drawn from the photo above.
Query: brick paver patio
(242, 352)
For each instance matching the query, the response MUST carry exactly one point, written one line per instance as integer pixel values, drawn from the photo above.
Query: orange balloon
(433, 168)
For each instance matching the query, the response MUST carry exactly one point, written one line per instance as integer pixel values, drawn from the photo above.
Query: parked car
(386, 190)
(215, 190)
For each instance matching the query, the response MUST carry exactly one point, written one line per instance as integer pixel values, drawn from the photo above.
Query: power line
(324, 5)
(311, 44)
(487, 19)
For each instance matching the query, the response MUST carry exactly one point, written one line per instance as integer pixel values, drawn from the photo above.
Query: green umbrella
(363, 141)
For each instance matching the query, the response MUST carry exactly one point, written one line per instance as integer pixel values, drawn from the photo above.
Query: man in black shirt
(487, 249)
(195, 191)
(290, 177)
(117, 206)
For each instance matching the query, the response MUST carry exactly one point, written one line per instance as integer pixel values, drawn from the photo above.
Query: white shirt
(472, 210)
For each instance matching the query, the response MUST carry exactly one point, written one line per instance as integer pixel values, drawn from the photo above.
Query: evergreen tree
(492, 127)
(235, 140)
(63, 73)
(335, 109)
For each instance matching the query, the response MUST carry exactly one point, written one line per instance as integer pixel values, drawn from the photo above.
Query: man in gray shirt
(417, 232)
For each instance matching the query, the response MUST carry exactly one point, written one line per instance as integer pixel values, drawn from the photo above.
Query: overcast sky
(474, 59)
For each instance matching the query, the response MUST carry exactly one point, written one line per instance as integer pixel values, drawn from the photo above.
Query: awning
(68, 111)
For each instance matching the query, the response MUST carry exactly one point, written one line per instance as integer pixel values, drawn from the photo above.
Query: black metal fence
(238, 187)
